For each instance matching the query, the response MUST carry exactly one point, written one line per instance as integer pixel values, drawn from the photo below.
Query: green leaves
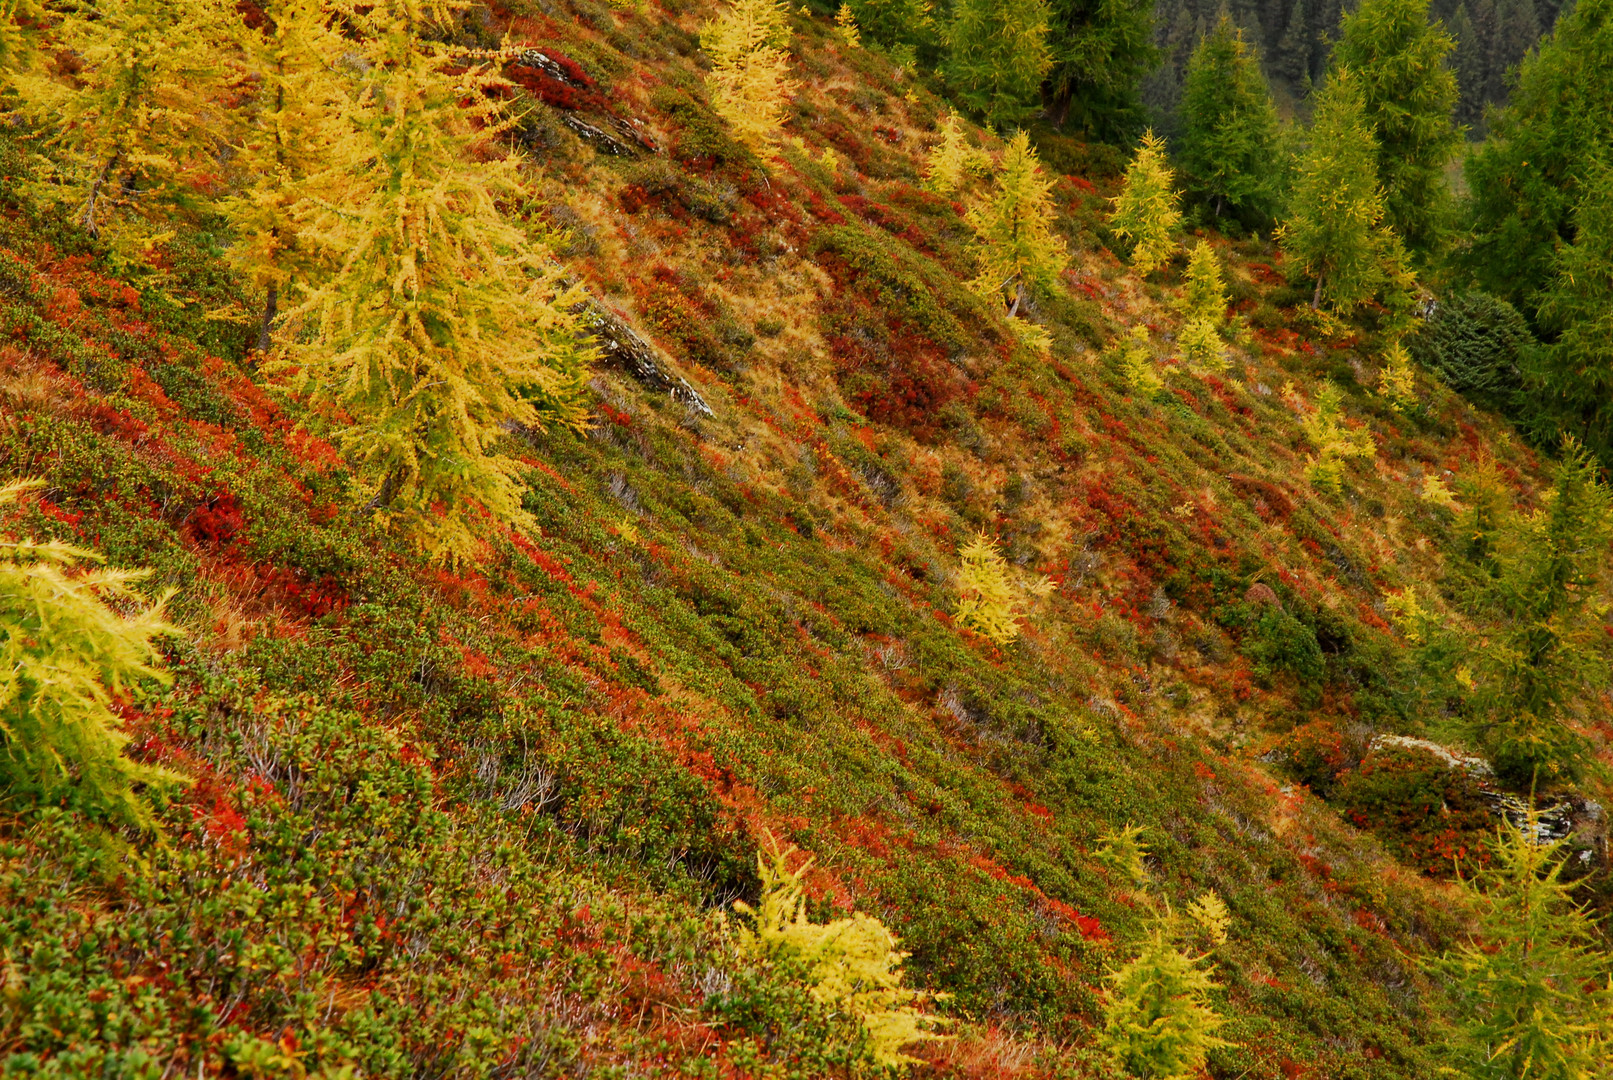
(1334, 213)
(1229, 144)
(996, 56)
(1409, 97)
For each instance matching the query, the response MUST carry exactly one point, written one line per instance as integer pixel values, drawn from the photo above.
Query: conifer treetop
(1336, 206)
(1147, 210)
(446, 326)
(1015, 242)
(1229, 141)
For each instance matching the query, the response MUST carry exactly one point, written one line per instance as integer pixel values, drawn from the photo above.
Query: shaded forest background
(1295, 36)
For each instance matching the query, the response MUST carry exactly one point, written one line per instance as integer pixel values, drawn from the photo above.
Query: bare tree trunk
(88, 217)
(271, 307)
(1019, 294)
(1316, 297)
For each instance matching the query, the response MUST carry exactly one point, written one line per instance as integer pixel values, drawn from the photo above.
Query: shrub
(64, 651)
(1158, 1021)
(1531, 985)
(1279, 642)
(1426, 812)
(1478, 344)
(1319, 755)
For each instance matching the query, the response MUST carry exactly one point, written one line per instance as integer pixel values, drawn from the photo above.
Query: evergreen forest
(844, 540)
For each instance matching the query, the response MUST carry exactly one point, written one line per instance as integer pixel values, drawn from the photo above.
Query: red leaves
(216, 523)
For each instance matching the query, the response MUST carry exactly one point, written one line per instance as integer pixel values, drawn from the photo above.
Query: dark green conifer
(1100, 51)
(1526, 179)
(997, 53)
(1409, 93)
(1576, 371)
(1228, 146)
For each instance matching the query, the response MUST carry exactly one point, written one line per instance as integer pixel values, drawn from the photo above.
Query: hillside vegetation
(856, 622)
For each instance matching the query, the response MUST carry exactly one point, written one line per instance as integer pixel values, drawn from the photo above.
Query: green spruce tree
(1576, 370)
(1336, 206)
(1228, 148)
(997, 54)
(1100, 50)
(1531, 984)
(1526, 179)
(1409, 96)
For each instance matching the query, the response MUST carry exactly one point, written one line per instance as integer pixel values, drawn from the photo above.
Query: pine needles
(66, 646)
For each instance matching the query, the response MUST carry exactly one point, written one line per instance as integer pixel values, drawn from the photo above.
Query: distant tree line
(1294, 38)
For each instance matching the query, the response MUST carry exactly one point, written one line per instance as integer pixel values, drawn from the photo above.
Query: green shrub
(1477, 343)
(1426, 812)
(1278, 642)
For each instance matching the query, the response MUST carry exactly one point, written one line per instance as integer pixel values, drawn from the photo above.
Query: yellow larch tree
(947, 164)
(295, 149)
(988, 599)
(446, 326)
(1204, 306)
(846, 26)
(70, 637)
(853, 965)
(1148, 208)
(1015, 243)
(749, 81)
(142, 123)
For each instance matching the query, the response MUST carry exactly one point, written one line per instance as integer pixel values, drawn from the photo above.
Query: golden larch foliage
(295, 150)
(446, 326)
(136, 132)
(1147, 210)
(852, 965)
(1397, 380)
(65, 649)
(1335, 441)
(1015, 244)
(949, 161)
(749, 81)
(988, 599)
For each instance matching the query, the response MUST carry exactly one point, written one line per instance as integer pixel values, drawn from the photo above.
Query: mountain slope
(488, 821)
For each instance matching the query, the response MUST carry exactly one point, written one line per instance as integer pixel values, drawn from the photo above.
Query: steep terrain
(491, 821)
